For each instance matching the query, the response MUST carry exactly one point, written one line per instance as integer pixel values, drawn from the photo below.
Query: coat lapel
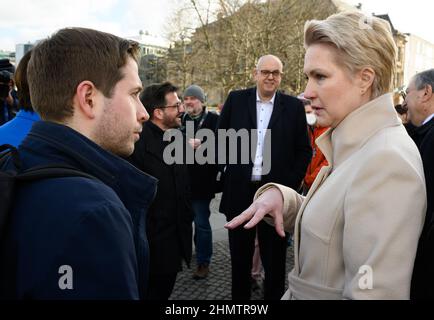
(252, 107)
(277, 109)
(154, 143)
(321, 177)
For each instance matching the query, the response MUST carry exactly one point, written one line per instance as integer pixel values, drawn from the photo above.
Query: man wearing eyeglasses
(262, 108)
(170, 217)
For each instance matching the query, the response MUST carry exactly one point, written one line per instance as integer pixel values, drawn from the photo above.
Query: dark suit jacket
(169, 219)
(202, 176)
(423, 275)
(290, 147)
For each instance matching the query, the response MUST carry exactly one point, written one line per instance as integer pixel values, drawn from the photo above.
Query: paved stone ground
(217, 286)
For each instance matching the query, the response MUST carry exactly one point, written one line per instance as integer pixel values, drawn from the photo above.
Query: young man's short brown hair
(70, 56)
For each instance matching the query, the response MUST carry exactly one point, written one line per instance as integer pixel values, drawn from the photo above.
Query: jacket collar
(258, 99)
(277, 107)
(423, 129)
(56, 144)
(152, 139)
(251, 106)
(352, 133)
(156, 129)
(428, 119)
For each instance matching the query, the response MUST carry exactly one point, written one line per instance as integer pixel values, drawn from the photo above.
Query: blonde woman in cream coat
(356, 231)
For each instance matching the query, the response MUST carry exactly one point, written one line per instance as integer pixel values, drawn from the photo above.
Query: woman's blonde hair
(361, 42)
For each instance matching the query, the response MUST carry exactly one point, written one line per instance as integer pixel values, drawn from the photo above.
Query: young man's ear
(85, 98)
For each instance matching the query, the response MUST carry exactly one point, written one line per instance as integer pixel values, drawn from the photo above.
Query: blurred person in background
(14, 131)
(318, 158)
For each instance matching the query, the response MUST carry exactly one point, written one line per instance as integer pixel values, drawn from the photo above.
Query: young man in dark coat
(203, 176)
(79, 237)
(169, 222)
(420, 103)
(285, 162)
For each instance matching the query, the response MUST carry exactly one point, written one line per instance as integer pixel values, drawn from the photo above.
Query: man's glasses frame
(274, 73)
(177, 106)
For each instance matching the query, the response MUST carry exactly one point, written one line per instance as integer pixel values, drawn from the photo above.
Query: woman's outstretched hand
(269, 203)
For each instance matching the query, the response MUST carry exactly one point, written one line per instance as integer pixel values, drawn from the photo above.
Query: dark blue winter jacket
(90, 229)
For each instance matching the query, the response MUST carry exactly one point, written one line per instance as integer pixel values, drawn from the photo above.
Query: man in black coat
(280, 154)
(420, 103)
(169, 220)
(202, 176)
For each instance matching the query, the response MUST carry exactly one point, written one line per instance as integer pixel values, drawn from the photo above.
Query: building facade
(419, 55)
(152, 67)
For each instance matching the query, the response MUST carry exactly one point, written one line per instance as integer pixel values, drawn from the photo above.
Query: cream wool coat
(364, 212)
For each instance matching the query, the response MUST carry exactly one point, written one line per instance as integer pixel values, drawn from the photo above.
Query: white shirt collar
(428, 119)
(258, 99)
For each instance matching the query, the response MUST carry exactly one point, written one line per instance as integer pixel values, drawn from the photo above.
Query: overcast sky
(29, 20)
(409, 16)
